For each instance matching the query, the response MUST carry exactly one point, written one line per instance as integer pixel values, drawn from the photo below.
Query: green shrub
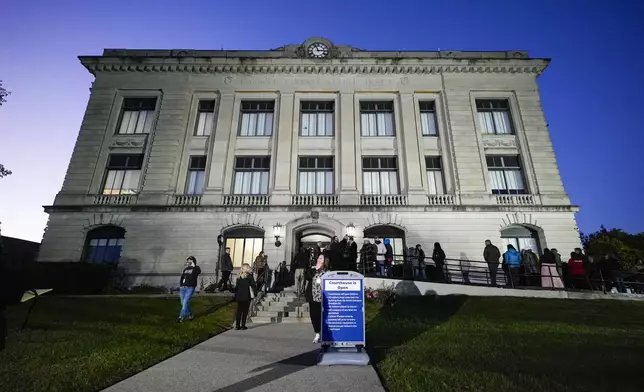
(147, 289)
(384, 296)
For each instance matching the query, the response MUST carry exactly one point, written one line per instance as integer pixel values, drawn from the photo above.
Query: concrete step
(263, 320)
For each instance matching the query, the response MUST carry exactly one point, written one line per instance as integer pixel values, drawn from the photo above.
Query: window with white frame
(494, 116)
(205, 117)
(123, 173)
(428, 118)
(380, 176)
(251, 175)
(506, 175)
(435, 178)
(315, 176)
(137, 115)
(256, 118)
(196, 175)
(316, 118)
(377, 118)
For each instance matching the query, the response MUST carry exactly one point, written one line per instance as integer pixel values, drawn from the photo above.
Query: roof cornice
(96, 64)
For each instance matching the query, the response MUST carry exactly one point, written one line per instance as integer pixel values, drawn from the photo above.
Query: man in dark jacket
(187, 285)
(301, 264)
(491, 255)
(226, 270)
(350, 254)
(336, 255)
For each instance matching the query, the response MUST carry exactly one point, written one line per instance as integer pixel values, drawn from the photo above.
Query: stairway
(283, 307)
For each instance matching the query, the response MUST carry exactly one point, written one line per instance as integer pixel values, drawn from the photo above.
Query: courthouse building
(303, 142)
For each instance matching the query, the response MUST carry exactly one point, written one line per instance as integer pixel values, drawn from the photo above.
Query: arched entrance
(395, 235)
(523, 237)
(309, 236)
(245, 243)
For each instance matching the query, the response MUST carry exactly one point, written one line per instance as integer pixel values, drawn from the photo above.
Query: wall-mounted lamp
(220, 240)
(277, 232)
(351, 230)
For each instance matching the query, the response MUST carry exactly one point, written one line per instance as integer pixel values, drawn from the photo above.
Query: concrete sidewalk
(266, 358)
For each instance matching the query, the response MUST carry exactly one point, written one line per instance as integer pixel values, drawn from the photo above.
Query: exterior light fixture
(351, 230)
(277, 232)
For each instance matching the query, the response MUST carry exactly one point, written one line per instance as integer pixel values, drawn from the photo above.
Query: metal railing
(481, 273)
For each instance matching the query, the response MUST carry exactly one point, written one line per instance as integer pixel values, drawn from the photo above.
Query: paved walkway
(264, 358)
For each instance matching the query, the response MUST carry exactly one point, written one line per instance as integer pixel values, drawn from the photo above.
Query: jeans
(420, 271)
(185, 293)
(382, 270)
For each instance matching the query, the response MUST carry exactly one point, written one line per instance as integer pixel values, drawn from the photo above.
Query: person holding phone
(313, 293)
(187, 286)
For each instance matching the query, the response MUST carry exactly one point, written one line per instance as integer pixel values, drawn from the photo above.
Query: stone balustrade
(247, 200)
(186, 200)
(314, 200)
(383, 200)
(112, 200)
(515, 200)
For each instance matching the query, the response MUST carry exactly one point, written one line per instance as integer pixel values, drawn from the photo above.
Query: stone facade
(163, 224)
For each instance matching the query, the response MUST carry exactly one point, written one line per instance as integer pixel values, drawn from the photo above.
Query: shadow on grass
(274, 371)
(409, 317)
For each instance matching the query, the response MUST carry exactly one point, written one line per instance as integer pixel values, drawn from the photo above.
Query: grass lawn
(457, 343)
(74, 345)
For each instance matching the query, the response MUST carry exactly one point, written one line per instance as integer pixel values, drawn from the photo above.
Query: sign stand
(343, 321)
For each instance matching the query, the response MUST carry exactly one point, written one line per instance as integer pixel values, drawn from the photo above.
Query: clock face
(318, 50)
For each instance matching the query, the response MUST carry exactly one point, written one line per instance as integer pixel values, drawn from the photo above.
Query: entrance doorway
(309, 238)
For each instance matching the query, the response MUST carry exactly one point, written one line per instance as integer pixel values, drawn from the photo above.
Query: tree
(3, 95)
(628, 247)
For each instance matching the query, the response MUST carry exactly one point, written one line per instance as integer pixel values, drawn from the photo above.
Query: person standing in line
(301, 264)
(421, 261)
(389, 256)
(187, 286)
(381, 251)
(549, 276)
(512, 260)
(226, 270)
(491, 255)
(259, 266)
(314, 293)
(336, 254)
(438, 256)
(558, 261)
(352, 255)
(245, 291)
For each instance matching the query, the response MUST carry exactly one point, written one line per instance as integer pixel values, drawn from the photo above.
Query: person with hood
(558, 262)
(421, 261)
(492, 255)
(531, 267)
(549, 276)
(367, 257)
(187, 285)
(512, 260)
(438, 256)
(389, 256)
(381, 252)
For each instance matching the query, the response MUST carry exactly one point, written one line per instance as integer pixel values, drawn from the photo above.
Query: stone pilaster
(346, 161)
(282, 159)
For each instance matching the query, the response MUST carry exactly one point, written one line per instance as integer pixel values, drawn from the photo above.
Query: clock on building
(318, 50)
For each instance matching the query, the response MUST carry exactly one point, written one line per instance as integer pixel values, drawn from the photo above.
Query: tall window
(257, 118)
(317, 118)
(123, 173)
(137, 115)
(435, 177)
(205, 118)
(494, 116)
(380, 175)
(428, 118)
(377, 118)
(104, 244)
(245, 243)
(251, 175)
(196, 175)
(506, 175)
(315, 176)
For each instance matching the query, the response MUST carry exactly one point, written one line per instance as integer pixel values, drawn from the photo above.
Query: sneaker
(316, 339)
(179, 320)
(191, 317)
(244, 328)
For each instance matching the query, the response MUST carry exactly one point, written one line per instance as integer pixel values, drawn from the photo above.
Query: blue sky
(590, 92)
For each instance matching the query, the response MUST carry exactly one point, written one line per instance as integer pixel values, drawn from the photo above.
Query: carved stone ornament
(128, 141)
(500, 142)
